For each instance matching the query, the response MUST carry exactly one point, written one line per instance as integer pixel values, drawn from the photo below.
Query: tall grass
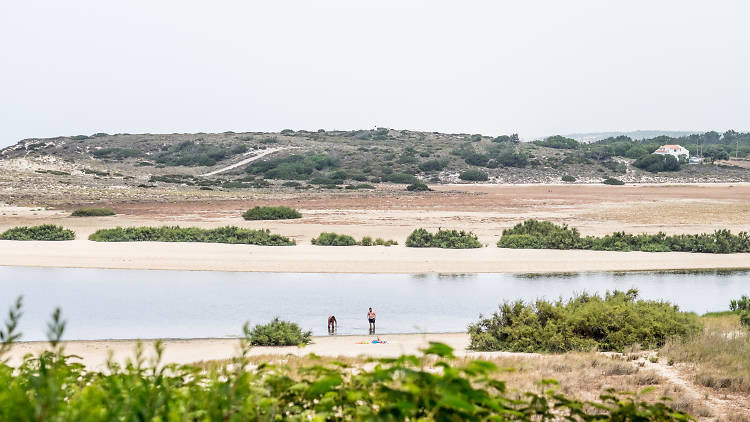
(720, 354)
(41, 232)
(229, 234)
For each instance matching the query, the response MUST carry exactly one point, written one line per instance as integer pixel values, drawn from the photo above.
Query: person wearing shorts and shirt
(371, 319)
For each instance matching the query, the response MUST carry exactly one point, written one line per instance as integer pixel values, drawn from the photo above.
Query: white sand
(356, 259)
(94, 353)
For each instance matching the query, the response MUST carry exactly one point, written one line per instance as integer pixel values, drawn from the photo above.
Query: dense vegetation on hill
(338, 159)
(533, 234)
(584, 322)
(447, 239)
(229, 234)
(53, 386)
(41, 232)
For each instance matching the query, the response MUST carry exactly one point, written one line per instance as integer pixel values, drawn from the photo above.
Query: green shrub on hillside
(446, 239)
(41, 232)
(474, 176)
(51, 386)
(229, 234)
(568, 178)
(418, 187)
(277, 333)
(116, 153)
(194, 153)
(533, 234)
(271, 213)
(92, 212)
(613, 181)
(292, 167)
(656, 162)
(401, 178)
(582, 323)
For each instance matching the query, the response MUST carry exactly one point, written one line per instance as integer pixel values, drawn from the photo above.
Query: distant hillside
(360, 159)
(636, 134)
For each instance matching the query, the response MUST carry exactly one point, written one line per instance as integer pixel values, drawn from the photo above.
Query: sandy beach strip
(354, 259)
(94, 353)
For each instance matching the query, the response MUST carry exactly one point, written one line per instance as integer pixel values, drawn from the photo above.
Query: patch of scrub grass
(447, 239)
(229, 234)
(335, 239)
(92, 212)
(720, 354)
(271, 213)
(41, 232)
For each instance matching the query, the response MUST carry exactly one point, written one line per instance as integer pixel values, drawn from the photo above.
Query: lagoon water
(124, 304)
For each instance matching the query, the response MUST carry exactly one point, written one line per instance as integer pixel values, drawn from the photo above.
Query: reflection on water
(187, 304)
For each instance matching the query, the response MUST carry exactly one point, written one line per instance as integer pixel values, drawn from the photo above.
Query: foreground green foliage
(228, 234)
(41, 232)
(533, 234)
(582, 323)
(335, 239)
(277, 333)
(51, 386)
(447, 239)
(271, 213)
(92, 212)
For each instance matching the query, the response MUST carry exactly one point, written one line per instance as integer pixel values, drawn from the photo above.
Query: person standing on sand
(371, 320)
(332, 324)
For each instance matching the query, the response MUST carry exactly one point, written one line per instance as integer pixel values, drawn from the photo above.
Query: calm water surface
(111, 304)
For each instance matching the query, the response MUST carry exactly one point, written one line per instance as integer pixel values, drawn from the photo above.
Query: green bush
(380, 242)
(433, 165)
(418, 187)
(194, 153)
(446, 239)
(559, 142)
(271, 213)
(366, 241)
(533, 234)
(229, 234)
(582, 323)
(656, 162)
(401, 178)
(53, 386)
(473, 175)
(41, 232)
(333, 239)
(92, 212)
(568, 178)
(116, 153)
(278, 333)
(613, 181)
(292, 167)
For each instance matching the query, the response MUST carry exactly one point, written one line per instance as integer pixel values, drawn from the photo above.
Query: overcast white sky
(532, 67)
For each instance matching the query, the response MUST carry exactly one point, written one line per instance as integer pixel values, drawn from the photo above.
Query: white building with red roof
(674, 150)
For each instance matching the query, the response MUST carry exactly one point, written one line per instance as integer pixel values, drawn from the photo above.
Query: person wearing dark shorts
(332, 324)
(371, 319)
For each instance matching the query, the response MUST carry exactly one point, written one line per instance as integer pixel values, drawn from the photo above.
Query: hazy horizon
(536, 68)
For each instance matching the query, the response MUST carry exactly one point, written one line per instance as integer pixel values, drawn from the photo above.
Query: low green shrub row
(229, 234)
(335, 239)
(41, 232)
(53, 386)
(271, 213)
(447, 239)
(583, 323)
(92, 212)
(533, 234)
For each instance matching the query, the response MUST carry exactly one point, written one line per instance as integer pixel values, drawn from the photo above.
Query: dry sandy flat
(94, 353)
(393, 214)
